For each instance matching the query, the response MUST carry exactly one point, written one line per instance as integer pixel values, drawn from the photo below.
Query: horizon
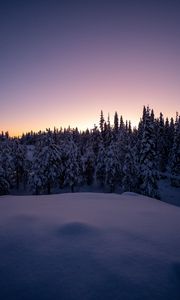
(111, 118)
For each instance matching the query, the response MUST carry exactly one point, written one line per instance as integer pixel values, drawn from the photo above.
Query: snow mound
(89, 246)
(75, 229)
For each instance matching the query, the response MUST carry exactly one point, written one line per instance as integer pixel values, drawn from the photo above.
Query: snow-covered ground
(89, 246)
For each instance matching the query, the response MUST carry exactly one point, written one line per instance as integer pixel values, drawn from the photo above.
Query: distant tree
(101, 122)
(88, 165)
(101, 165)
(7, 163)
(152, 115)
(18, 156)
(111, 167)
(175, 155)
(148, 174)
(167, 142)
(108, 123)
(45, 166)
(72, 165)
(130, 170)
(170, 132)
(129, 128)
(161, 144)
(96, 140)
(144, 115)
(121, 125)
(4, 185)
(116, 122)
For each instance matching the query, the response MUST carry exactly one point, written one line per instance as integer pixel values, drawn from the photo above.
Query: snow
(89, 246)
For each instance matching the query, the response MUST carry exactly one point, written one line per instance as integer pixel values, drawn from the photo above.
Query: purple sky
(61, 62)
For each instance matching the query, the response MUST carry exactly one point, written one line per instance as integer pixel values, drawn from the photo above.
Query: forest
(111, 156)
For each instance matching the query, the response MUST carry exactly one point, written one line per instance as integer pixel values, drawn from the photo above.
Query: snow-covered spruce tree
(28, 164)
(161, 144)
(4, 185)
(168, 142)
(36, 176)
(7, 163)
(101, 165)
(111, 167)
(95, 139)
(175, 155)
(72, 176)
(148, 174)
(121, 147)
(18, 157)
(107, 137)
(130, 170)
(137, 143)
(62, 164)
(88, 165)
(45, 166)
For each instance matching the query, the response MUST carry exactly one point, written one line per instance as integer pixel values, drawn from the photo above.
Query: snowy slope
(89, 246)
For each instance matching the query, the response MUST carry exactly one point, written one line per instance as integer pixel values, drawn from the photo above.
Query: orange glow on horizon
(17, 131)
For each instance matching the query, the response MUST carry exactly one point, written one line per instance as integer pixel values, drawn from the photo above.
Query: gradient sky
(61, 62)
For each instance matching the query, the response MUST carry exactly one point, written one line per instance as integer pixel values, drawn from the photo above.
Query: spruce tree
(72, 165)
(45, 166)
(88, 166)
(130, 170)
(19, 154)
(175, 155)
(101, 122)
(148, 174)
(116, 122)
(112, 167)
(4, 185)
(121, 125)
(101, 165)
(161, 146)
(7, 162)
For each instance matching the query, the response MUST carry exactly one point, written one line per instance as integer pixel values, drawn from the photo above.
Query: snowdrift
(89, 246)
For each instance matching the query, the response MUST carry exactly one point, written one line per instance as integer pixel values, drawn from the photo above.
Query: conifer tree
(175, 155)
(112, 167)
(121, 125)
(147, 165)
(88, 166)
(72, 165)
(45, 166)
(116, 122)
(18, 154)
(7, 163)
(129, 128)
(161, 154)
(4, 185)
(101, 122)
(144, 115)
(121, 146)
(108, 123)
(130, 170)
(101, 165)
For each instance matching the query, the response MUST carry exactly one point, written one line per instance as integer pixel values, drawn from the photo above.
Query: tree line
(110, 156)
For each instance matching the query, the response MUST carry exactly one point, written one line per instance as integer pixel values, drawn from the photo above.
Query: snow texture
(89, 246)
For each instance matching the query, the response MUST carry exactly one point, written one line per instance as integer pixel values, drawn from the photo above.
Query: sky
(61, 62)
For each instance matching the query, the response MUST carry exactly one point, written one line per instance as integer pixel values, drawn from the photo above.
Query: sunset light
(61, 64)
